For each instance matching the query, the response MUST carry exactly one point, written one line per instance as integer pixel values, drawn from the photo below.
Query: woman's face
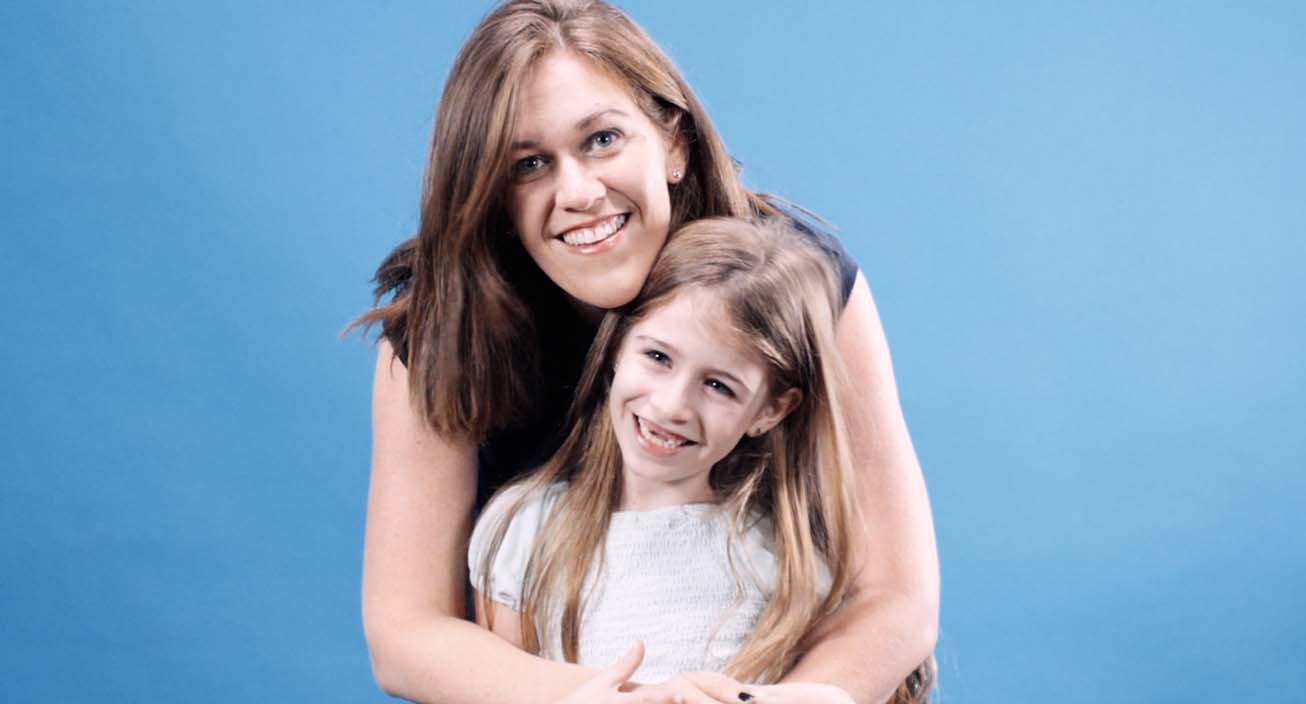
(588, 192)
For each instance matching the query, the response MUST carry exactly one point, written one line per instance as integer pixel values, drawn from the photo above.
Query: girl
(703, 499)
(566, 147)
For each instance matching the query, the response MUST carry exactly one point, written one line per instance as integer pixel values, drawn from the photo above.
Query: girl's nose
(578, 187)
(672, 401)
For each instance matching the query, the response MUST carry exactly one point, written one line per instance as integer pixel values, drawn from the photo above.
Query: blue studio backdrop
(1084, 224)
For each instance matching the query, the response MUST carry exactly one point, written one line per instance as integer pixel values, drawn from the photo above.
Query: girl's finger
(622, 670)
(716, 685)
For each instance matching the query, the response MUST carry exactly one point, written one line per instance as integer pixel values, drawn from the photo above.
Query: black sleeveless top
(563, 338)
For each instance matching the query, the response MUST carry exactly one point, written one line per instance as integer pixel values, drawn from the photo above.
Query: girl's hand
(606, 686)
(613, 686)
(693, 688)
(794, 693)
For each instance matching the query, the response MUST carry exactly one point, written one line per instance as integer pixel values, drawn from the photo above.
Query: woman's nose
(578, 187)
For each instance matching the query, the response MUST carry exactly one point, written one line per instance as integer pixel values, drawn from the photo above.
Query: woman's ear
(677, 159)
(774, 411)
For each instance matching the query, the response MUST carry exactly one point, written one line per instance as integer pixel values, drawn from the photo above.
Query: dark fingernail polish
(744, 696)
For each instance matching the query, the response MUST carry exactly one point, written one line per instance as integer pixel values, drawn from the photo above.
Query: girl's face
(684, 391)
(588, 194)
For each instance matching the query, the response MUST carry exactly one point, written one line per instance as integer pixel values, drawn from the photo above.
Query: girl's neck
(638, 494)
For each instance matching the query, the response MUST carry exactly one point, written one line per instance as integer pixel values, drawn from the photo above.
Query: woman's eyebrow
(583, 125)
(588, 121)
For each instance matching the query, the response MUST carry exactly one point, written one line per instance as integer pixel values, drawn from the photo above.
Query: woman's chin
(601, 301)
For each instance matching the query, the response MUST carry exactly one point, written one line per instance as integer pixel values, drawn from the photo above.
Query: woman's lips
(592, 237)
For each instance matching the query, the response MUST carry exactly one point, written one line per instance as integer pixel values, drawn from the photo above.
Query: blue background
(1084, 223)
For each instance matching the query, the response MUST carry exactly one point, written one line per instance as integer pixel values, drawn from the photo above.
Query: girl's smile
(657, 440)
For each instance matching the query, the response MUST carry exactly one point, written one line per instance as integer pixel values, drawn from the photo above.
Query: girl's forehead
(699, 321)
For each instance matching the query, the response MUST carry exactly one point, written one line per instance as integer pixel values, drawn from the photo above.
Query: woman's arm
(414, 568)
(888, 624)
(507, 621)
(415, 571)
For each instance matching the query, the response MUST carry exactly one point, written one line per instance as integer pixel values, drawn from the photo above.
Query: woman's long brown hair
(456, 304)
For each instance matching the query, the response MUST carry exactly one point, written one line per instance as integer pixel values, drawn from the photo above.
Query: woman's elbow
(381, 643)
(912, 617)
(923, 633)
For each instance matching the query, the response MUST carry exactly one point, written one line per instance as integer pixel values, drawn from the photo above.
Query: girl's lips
(656, 440)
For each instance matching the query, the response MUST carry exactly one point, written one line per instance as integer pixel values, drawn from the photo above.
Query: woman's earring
(675, 176)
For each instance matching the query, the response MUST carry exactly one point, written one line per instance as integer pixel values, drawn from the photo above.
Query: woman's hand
(794, 693)
(613, 686)
(727, 689)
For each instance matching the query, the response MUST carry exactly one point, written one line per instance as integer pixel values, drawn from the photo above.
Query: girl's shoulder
(755, 541)
(524, 503)
(516, 513)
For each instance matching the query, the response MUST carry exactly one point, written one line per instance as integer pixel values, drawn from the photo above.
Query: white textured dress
(666, 580)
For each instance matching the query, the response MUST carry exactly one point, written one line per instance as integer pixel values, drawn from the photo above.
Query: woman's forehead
(564, 93)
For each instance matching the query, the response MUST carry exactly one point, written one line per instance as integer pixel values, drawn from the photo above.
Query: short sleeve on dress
(507, 575)
(844, 265)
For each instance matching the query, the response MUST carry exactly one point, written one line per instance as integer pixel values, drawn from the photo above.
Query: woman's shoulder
(844, 265)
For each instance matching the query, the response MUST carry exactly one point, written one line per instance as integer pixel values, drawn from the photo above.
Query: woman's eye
(720, 388)
(657, 356)
(527, 165)
(604, 139)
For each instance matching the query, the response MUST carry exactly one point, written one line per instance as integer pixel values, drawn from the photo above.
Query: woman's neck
(592, 315)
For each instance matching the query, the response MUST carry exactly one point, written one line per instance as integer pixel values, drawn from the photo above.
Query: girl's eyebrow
(584, 124)
(716, 372)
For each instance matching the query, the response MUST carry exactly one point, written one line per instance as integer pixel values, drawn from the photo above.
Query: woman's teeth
(590, 235)
(669, 441)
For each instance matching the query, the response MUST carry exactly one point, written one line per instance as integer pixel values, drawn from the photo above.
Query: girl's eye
(527, 166)
(720, 388)
(657, 356)
(604, 139)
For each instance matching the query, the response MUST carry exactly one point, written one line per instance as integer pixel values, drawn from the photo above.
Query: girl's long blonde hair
(782, 299)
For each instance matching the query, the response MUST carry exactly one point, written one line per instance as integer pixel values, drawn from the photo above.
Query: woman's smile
(597, 235)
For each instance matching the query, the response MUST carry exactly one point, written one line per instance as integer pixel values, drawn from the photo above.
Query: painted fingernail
(744, 696)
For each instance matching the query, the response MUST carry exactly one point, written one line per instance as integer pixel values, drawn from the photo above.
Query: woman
(566, 147)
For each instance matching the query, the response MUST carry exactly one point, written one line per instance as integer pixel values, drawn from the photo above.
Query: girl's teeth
(590, 235)
(657, 439)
